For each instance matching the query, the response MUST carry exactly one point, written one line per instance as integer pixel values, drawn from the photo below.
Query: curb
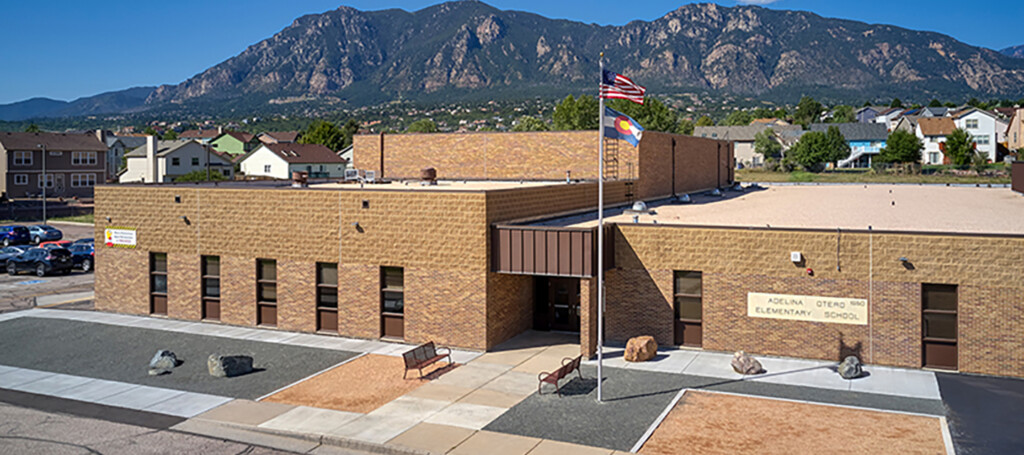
(322, 439)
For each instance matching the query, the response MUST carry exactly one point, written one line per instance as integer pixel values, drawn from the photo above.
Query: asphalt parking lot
(19, 291)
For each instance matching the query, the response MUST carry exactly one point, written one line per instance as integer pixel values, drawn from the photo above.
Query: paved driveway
(985, 414)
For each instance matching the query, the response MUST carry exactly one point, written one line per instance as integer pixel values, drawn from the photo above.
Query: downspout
(381, 156)
(673, 168)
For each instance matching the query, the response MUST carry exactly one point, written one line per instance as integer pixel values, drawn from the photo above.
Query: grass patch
(755, 175)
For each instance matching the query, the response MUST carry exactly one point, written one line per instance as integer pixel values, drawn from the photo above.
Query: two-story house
(234, 143)
(933, 132)
(163, 161)
(983, 127)
(866, 140)
(74, 163)
(1015, 132)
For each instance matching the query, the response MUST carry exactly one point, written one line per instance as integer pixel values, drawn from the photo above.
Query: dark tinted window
(21, 230)
(59, 252)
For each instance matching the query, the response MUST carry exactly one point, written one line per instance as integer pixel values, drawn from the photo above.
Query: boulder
(850, 368)
(744, 363)
(229, 366)
(162, 363)
(641, 349)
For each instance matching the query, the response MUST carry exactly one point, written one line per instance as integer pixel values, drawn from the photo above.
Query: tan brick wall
(122, 280)
(359, 300)
(296, 295)
(509, 306)
(588, 317)
(238, 290)
(183, 286)
(488, 156)
(737, 261)
(699, 164)
(447, 306)
(532, 202)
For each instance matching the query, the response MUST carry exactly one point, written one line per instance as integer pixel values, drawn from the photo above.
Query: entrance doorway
(557, 304)
(939, 316)
(688, 307)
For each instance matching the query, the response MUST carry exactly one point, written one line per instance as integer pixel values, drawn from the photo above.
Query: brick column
(588, 317)
(184, 273)
(296, 295)
(238, 290)
(359, 300)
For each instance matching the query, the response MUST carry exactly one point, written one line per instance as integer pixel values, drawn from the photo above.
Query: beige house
(1015, 132)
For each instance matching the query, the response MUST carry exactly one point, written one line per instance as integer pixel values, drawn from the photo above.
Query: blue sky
(65, 49)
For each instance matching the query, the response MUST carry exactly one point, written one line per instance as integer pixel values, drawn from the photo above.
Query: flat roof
(334, 184)
(926, 208)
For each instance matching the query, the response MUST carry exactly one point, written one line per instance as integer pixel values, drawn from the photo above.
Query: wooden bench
(568, 364)
(423, 356)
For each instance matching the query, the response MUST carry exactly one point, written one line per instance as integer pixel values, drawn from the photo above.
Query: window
(266, 168)
(48, 178)
(981, 139)
(21, 179)
(266, 292)
(83, 158)
(326, 296)
(83, 180)
(211, 287)
(392, 297)
(226, 172)
(195, 161)
(175, 161)
(689, 311)
(22, 158)
(158, 283)
(971, 123)
(933, 158)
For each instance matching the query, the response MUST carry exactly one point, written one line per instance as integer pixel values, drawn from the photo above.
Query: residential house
(867, 114)
(908, 124)
(117, 146)
(201, 136)
(889, 117)
(163, 161)
(280, 160)
(931, 112)
(279, 137)
(983, 127)
(866, 140)
(1015, 132)
(742, 138)
(234, 143)
(933, 132)
(769, 122)
(74, 163)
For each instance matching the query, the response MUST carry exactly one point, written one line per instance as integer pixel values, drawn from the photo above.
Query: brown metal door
(393, 325)
(267, 315)
(158, 304)
(327, 319)
(939, 319)
(564, 298)
(211, 309)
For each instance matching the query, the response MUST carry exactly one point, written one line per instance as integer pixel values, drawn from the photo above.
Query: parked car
(8, 252)
(83, 255)
(14, 235)
(88, 240)
(44, 233)
(55, 244)
(41, 261)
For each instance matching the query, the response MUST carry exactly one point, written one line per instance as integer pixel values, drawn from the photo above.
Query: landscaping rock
(744, 363)
(162, 363)
(850, 368)
(229, 366)
(641, 349)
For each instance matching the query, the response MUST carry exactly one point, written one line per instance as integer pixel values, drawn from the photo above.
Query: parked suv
(8, 252)
(14, 235)
(44, 233)
(83, 255)
(41, 261)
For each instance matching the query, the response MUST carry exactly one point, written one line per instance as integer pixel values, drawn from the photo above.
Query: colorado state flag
(617, 125)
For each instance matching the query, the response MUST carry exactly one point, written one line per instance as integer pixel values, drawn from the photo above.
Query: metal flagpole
(600, 232)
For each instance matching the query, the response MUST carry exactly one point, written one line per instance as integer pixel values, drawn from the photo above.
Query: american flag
(614, 85)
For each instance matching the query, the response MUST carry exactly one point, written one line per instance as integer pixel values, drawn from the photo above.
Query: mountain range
(1014, 51)
(468, 49)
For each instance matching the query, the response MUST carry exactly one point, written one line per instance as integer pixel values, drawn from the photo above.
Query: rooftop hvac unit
(370, 176)
(351, 175)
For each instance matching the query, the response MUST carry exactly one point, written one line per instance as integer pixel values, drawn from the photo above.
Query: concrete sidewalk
(818, 374)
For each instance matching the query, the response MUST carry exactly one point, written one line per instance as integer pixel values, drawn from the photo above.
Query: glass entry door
(564, 304)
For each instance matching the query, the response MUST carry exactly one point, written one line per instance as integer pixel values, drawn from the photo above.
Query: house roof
(890, 111)
(738, 133)
(856, 131)
(970, 110)
(129, 142)
(52, 141)
(199, 134)
(282, 136)
(936, 126)
(935, 111)
(242, 137)
(162, 148)
(304, 153)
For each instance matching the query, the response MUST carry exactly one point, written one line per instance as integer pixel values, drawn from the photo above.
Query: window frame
(49, 180)
(153, 273)
(677, 294)
(175, 161)
(263, 283)
(204, 275)
(21, 179)
(195, 161)
(322, 287)
(21, 158)
(267, 168)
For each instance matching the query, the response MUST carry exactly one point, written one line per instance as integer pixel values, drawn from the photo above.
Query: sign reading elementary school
(119, 237)
(807, 308)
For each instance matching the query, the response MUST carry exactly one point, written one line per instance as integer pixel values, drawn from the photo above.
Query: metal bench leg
(405, 373)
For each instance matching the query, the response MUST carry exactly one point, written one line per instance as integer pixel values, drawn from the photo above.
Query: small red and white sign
(119, 237)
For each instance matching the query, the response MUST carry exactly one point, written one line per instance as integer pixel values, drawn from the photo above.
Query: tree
(762, 113)
(33, 128)
(843, 114)
(811, 151)
(350, 129)
(653, 115)
(528, 123)
(150, 131)
(934, 103)
(324, 133)
(705, 121)
(199, 175)
(808, 111)
(170, 135)
(576, 113)
(422, 126)
(780, 113)
(766, 145)
(896, 103)
(685, 127)
(959, 147)
(836, 146)
(901, 147)
(737, 118)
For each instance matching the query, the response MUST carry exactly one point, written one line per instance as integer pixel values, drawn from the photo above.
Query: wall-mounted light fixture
(796, 257)
(108, 219)
(185, 219)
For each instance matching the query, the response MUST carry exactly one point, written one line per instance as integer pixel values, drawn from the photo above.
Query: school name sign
(807, 308)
